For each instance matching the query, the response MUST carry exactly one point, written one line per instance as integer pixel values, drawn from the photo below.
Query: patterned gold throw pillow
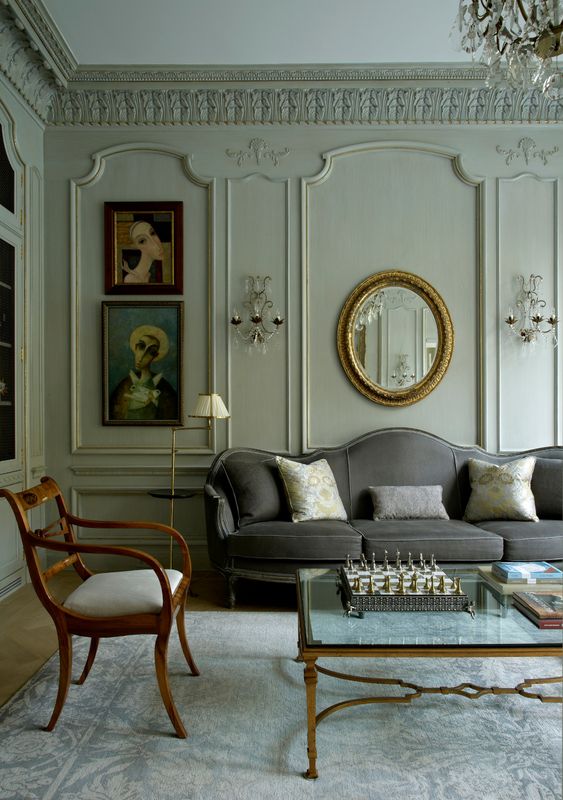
(501, 491)
(311, 490)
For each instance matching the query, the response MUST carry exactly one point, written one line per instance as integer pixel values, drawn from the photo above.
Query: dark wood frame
(145, 317)
(113, 229)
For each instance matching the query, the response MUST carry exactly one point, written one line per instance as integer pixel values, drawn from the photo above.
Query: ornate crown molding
(32, 17)
(325, 73)
(301, 105)
(23, 67)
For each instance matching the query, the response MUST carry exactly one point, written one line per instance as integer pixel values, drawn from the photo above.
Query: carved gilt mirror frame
(350, 358)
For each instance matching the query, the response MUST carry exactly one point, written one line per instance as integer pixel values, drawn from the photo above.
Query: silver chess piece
(385, 562)
(398, 559)
(409, 563)
(421, 562)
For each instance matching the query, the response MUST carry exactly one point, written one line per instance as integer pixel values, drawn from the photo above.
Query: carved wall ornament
(527, 150)
(260, 149)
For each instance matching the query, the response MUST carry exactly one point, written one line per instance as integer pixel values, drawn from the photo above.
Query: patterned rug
(246, 720)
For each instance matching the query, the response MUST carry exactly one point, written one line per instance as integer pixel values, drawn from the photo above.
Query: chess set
(408, 586)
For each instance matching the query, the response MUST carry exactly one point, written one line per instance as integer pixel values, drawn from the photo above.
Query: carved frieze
(308, 105)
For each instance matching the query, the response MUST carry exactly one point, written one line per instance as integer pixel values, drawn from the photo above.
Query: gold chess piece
(457, 586)
(371, 589)
(401, 584)
(427, 584)
(442, 584)
(414, 582)
(387, 584)
(432, 588)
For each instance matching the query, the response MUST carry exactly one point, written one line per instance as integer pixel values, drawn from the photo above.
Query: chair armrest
(139, 525)
(215, 504)
(117, 550)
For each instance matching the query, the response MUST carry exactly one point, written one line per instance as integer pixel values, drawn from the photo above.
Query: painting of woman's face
(144, 247)
(146, 350)
(146, 239)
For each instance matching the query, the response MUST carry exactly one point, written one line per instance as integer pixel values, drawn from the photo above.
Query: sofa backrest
(402, 457)
(250, 481)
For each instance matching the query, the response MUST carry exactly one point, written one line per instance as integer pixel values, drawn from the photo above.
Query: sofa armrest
(219, 515)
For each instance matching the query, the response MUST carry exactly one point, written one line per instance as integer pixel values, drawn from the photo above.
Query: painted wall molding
(257, 149)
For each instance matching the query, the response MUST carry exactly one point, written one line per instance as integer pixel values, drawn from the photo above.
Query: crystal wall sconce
(402, 374)
(259, 326)
(530, 322)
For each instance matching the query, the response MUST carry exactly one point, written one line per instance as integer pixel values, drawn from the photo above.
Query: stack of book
(510, 576)
(545, 609)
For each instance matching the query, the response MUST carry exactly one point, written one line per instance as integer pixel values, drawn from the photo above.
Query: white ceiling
(186, 32)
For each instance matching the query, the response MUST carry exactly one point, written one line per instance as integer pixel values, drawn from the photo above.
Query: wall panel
(390, 207)
(527, 242)
(258, 244)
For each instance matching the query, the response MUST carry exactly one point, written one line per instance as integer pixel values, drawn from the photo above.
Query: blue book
(526, 571)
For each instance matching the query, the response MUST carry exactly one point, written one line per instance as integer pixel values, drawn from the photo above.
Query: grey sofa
(250, 533)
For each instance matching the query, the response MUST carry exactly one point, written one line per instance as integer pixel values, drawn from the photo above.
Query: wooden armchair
(105, 604)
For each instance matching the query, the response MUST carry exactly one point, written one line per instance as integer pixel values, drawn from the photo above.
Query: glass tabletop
(496, 624)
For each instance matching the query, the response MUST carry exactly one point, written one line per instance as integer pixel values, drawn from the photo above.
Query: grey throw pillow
(407, 502)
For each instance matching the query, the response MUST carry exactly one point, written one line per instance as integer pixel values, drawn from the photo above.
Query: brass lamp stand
(208, 407)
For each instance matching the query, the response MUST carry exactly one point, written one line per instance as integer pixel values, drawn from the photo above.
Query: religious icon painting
(142, 363)
(143, 248)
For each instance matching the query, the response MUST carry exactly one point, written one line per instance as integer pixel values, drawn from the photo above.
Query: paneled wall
(334, 206)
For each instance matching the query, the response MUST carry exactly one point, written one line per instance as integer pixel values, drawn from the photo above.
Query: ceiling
(214, 32)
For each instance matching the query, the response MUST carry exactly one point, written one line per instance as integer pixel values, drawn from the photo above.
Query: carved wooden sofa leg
(231, 590)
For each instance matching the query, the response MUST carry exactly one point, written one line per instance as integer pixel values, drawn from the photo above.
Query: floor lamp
(208, 407)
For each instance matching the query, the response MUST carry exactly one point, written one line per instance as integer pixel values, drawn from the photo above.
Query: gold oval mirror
(395, 338)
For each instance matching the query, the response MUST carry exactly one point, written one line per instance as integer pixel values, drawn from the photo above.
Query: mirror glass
(395, 338)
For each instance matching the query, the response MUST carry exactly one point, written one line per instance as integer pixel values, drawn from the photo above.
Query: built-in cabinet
(11, 374)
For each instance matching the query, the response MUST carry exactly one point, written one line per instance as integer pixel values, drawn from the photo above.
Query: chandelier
(257, 330)
(517, 40)
(370, 310)
(529, 322)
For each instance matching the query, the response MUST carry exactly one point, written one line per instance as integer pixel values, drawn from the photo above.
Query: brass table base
(469, 690)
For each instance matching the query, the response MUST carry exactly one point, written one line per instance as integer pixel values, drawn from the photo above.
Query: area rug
(246, 720)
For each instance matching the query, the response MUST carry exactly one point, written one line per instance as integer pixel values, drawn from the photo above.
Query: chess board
(405, 586)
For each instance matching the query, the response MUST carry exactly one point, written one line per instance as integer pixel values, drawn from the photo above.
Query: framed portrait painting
(143, 248)
(142, 363)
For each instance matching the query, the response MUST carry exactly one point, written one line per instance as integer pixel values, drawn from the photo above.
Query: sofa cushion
(407, 502)
(311, 490)
(448, 540)
(257, 487)
(547, 487)
(501, 491)
(529, 541)
(317, 540)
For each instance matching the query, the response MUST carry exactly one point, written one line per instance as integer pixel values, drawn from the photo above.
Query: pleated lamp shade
(210, 406)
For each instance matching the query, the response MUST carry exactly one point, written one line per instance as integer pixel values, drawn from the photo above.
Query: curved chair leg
(94, 642)
(181, 624)
(65, 671)
(160, 656)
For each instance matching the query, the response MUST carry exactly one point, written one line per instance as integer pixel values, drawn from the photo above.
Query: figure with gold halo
(144, 394)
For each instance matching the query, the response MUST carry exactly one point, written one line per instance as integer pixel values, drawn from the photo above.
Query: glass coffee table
(495, 629)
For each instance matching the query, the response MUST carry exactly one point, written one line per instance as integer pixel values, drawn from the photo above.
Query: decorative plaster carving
(23, 67)
(259, 149)
(527, 150)
(32, 17)
(313, 105)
